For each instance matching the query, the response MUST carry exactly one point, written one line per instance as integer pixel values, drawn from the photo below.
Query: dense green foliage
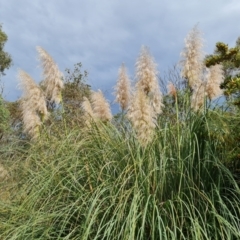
(4, 118)
(5, 63)
(75, 88)
(5, 58)
(230, 59)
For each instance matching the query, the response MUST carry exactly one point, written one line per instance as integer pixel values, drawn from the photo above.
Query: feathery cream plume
(147, 81)
(31, 122)
(53, 83)
(141, 115)
(122, 89)
(88, 114)
(33, 105)
(192, 58)
(215, 77)
(198, 96)
(100, 106)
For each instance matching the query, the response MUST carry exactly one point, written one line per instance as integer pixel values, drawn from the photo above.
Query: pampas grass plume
(31, 122)
(33, 104)
(147, 81)
(192, 58)
(100, 106)
(141, 115)
(87, 111)
(214, 78)
(198, 96)
(122, 89)
(52, 82)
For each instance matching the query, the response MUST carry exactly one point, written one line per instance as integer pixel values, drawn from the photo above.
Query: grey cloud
(103, 34)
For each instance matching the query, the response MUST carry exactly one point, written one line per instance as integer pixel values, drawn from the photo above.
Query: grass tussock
(104, 185)
(161, 169)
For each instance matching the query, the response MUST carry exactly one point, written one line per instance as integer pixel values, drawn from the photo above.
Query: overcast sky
(101, 34)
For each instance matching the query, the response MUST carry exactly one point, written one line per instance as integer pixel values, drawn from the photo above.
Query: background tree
(5, 58)
(230, 59)
(5, 63)
(75, 89)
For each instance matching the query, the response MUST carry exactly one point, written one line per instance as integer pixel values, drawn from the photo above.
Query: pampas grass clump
(33, 105)
(122, 89)
(102, 183)
(52, 83)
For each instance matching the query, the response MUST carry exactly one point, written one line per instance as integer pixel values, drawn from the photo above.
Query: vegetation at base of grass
(102, 184)
(4, 117)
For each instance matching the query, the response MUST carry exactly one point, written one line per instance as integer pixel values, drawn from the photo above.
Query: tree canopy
(5, 58)
(5, 63)
(230, 59)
